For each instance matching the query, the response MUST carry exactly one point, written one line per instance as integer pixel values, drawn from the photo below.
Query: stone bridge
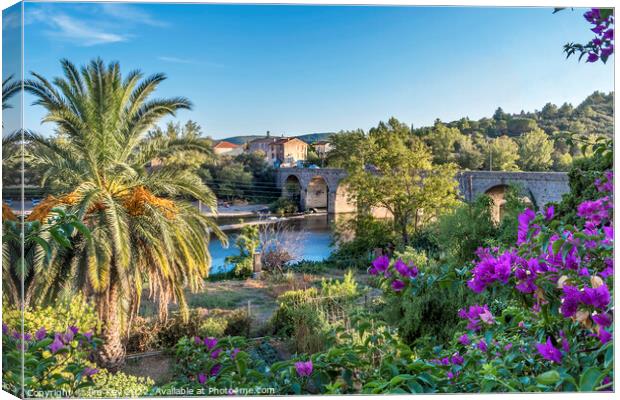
(323, 188)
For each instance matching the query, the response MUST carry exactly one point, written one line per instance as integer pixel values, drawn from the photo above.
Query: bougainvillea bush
(55, 364)
(554, 330)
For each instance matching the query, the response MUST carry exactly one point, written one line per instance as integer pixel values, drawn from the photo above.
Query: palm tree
(144, 234)
(9, 89)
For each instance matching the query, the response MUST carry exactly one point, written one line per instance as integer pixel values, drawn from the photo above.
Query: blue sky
(302, 69)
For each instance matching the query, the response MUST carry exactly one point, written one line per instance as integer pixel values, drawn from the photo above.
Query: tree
(518, 126)
(562, 161)
(504, 153)
(191, 131)
(232, 180)
(442, 141)
(391, 168)
(142, 235)
(535, 150)
(10, 88)
(343, 148)
(469, 155)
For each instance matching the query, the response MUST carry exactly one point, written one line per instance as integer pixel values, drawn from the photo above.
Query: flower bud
(596, 281)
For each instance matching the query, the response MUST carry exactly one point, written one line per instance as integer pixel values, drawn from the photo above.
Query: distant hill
(308, 138)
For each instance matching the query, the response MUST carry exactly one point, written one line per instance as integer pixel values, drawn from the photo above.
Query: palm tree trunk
(112, 352)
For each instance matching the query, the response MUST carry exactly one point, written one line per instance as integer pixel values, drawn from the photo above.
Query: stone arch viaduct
(322, 188)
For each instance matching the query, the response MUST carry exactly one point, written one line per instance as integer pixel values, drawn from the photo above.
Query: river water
(311, 237)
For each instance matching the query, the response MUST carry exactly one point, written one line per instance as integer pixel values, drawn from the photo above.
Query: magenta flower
(88, 335)
(406, 271)
(570, 299)
(508, 346)
(215, 370)
(379, 264)
(234, 353)
(604, 336)
(475, 315)
(89, 371)
(525, 218)
(602, 320)
(40, 334)
(457, 359)
(593, 210)
(68, 336)
(215, 354)
(398, 285)
(596, 297)
(197, 340)
(5, 329)
(549, 352)
(549, 212)
(304, 368)
(210, 342)
(464, 340)
(74, 329)
(202, 378)
(482, 345)
(56, 345)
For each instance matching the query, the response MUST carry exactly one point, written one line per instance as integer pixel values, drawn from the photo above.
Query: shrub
(550, 328)
(54, 363)
(341, 290)
(369, 233)
(213, 326)
(116, 385)
(239, 323)
(76, 311)
(247, 242)
(284, 206)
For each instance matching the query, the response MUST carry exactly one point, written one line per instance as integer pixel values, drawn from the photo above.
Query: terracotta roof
(225, 145)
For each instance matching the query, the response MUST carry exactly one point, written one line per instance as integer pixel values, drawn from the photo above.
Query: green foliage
(504, 154)
(429, 309)
(468, 155)
(191, 131)
(233, 323)
(142, 234)
(47, 371)
(467, 227)
(247, 242)
(25, 262)
(535, 151)
(308, 315)
(283, 206)
(176, 327)
(399, 178)
(582, 177)
(368, 233)
(76, 311)
(443, 141)
(119, 384)
(213, 326)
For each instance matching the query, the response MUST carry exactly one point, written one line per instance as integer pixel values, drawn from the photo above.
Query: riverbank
(243, 210)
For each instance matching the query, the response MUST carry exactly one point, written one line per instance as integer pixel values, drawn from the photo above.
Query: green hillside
(308, 138)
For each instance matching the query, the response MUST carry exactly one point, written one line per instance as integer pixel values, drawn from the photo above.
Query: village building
(227, 148)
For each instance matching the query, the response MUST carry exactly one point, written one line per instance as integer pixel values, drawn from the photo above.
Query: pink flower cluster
(602, 46)
(477, 315)
(404, 272)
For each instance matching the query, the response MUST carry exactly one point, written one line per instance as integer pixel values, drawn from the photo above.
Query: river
(312, 234)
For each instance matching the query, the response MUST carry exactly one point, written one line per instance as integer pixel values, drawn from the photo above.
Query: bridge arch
(292, 188)
(497, 193)
(317, 194)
